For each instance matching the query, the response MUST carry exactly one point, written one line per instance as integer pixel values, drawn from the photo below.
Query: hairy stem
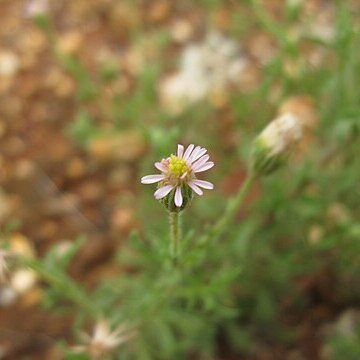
(175, 234)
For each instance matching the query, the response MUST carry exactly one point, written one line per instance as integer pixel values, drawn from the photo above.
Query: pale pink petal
(204, 167)
(178, 197)
(160, 166)
(196, 189)
(200, 162)
(180, 150)
(188, 151)
(163, 191)
(198, 155)
(195, 151)
(150, 179)
(204, 184)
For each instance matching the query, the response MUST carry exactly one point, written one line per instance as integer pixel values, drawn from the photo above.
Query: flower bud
(272, 147)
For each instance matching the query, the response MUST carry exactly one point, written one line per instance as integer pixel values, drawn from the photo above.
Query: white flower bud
(274, 143)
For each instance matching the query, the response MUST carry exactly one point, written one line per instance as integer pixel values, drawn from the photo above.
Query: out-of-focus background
(93, 92)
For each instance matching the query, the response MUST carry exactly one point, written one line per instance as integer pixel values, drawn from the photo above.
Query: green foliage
(230, 291)
(83, 128)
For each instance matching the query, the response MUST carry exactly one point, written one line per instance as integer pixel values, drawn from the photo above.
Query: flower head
(104, 341)
(177, 180)
(274, 143)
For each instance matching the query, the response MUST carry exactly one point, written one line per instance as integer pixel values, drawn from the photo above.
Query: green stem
(174, 219)
(233, 206)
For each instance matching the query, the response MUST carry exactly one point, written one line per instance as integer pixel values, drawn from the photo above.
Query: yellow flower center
(177, 166)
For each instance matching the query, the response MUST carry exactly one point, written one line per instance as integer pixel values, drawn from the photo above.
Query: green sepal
(169, 201)
(262, 163)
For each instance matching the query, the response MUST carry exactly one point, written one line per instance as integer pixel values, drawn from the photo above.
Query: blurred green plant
(229, 292)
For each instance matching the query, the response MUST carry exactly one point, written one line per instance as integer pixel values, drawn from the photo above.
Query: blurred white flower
(35, 8)
(178, 173)
(323, 24)
(103, 341)
(9, 64)
(204, 68)
(7, 297)
(23, 280)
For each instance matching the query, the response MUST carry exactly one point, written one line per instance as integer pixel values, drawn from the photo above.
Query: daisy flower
(178, 174)
(104, 341)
